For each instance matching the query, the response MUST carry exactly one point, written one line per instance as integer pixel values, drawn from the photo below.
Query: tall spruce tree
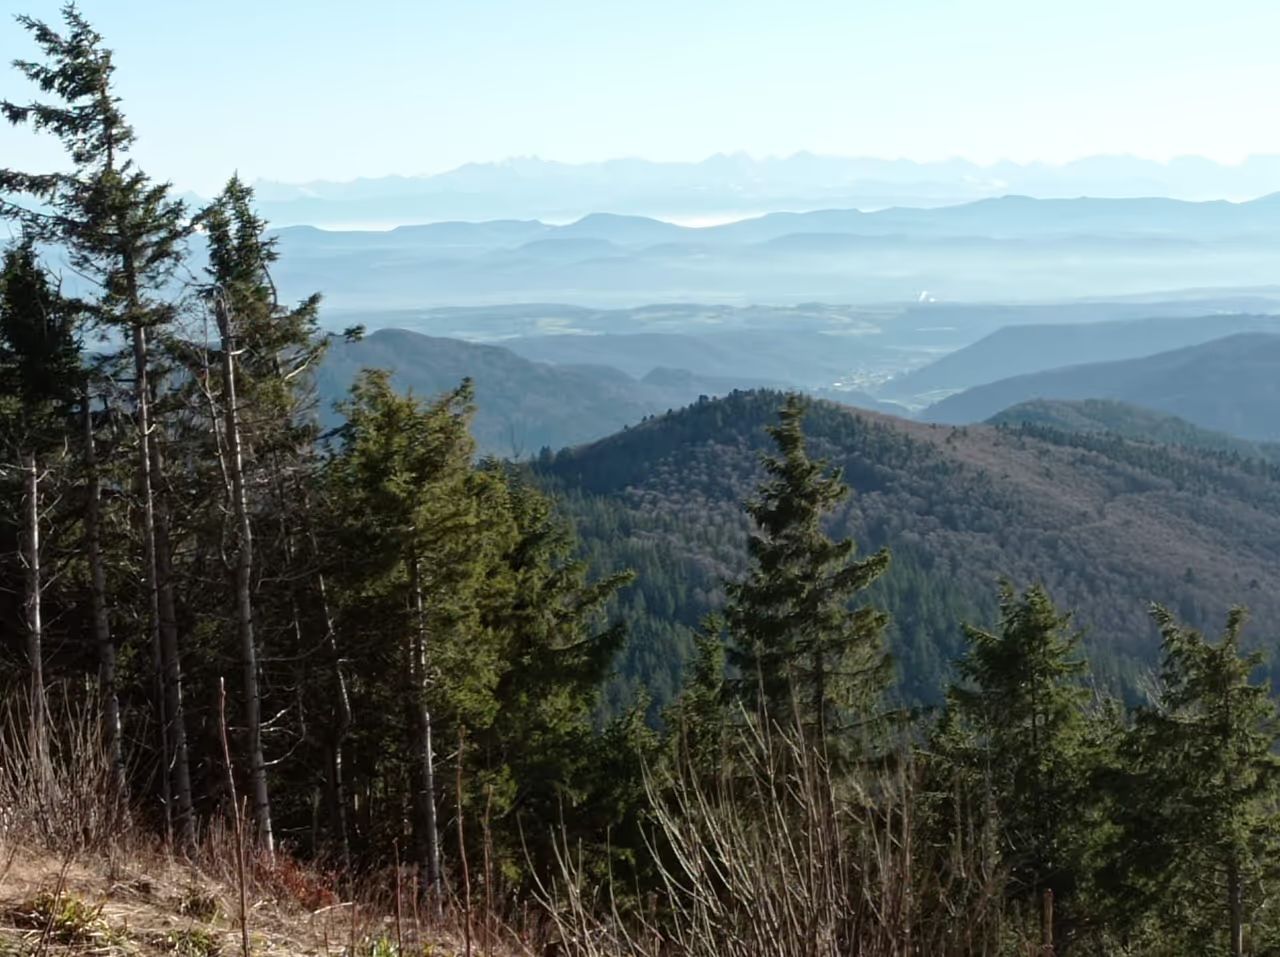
(262, 436)
(556, 653)
(798, 645)
(123, 234)
(412, 520)
(1016, 726)
(1199, 817)
(39, 370)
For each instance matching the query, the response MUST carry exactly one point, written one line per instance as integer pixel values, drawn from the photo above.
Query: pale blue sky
(293, 90)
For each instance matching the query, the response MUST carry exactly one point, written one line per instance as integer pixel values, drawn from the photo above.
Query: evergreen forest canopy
(383, 642)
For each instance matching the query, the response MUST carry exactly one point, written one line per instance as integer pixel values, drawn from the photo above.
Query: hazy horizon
(417, 89)
(514, 160)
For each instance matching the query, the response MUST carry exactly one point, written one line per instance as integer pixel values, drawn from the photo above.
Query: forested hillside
(1108, 524)
(1131, 422)
(521, 405)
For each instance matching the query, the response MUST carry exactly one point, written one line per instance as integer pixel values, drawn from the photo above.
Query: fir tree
(415, 527)
(125, 235)
(797, 644)
(1016, 728)
(556, 652)
(697, 719)
(1198, 823)
(39, 371)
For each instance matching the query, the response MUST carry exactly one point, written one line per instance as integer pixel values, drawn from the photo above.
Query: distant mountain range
(1228, 385)
(725, 186)
(1010, 248)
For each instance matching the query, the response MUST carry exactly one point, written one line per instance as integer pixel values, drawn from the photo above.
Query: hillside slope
(1021, 350)
(1131, 422)
(1108, 524)
(521, 405)
(1229, 385)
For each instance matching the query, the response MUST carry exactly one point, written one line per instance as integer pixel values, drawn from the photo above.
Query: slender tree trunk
(820, 699)
(160, 587)
(243, 582)
(428, 840)
(35, 627)
(339, 723)
(339, 728)
(172, 652)
(1235, 905)
(113, 739)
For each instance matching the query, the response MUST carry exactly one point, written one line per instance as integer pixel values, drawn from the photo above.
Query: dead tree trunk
(340, 713)
(243, 584)
(111, 731)
(339, 728)
(155, 540)
(427, 836)
(35, 628)
(172, 652)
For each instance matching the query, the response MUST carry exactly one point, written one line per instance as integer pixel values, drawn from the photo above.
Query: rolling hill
(1022, 349)
(521, 405)
(1107, 523)
(1228, 385)
(1130, 422)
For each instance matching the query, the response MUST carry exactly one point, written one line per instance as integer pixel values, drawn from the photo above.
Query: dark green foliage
(796, 644)
(1016, 734)
(121, 231)
(40, 372)
(697, 720)
(1198, 786)
(1092, 516)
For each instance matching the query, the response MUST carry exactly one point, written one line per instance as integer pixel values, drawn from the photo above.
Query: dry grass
(78, 876)
(775, 853)
(143, 902)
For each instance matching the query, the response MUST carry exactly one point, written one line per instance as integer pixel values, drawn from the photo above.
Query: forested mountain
(1227, 385)
(1022, 349)
(521, 406)
(1131, 422)
(1108, 524)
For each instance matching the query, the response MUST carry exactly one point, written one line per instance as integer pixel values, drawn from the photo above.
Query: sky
(295, 91)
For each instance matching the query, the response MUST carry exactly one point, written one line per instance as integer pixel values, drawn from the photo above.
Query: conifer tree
(797, 644)
(697, 718)
(411, 515)
(39, 366)
(1198, 822)
(125, 235)
(555, 654)
(261, 435)
(1016, 723)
